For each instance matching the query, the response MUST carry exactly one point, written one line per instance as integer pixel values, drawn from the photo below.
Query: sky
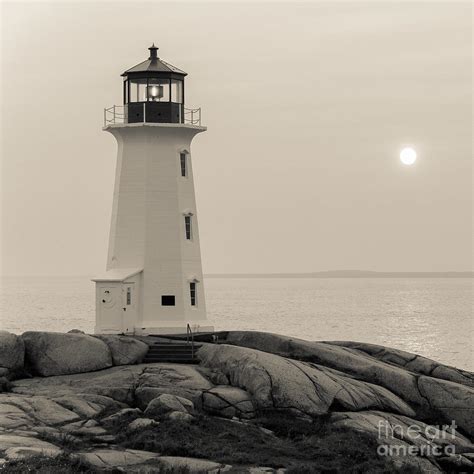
(307, 107)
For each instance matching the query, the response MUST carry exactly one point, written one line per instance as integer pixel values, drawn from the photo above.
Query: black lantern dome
(153, 91)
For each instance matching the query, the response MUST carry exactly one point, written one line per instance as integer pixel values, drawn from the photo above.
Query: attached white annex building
(153, 282)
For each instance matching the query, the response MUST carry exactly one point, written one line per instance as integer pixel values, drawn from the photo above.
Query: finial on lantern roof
(153, 52)
(154, 66)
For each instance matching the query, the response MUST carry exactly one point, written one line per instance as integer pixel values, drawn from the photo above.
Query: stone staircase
(172, 352)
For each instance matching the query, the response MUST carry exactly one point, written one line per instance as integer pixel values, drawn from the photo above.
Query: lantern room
(153, 91)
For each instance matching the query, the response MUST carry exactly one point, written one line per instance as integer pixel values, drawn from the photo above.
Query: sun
(408, 156)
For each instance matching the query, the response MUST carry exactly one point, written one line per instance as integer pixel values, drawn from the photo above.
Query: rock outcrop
(433, 399)
(185, 381)
(281, 383)
(86, 409)
(228, 402)
(412, 362)
(140, 424)
(132, 460)
(125, 350)
(111, 458)
(389, 430)
(167, 403)
(12, 352)
(50, 353)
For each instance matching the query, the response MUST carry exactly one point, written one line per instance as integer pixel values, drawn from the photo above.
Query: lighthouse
(153, 281)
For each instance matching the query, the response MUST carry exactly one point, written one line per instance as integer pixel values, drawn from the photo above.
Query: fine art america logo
(428, 440)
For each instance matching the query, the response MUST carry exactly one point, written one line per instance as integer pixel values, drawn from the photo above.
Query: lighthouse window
(193, 293)
(138, 88)
(158, 90)
(125, 91)
(176, 91)
(129, 296)
(167, 300)
(188, 227)
(182, 157)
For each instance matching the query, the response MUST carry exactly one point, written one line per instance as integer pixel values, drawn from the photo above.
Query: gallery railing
(118, 114)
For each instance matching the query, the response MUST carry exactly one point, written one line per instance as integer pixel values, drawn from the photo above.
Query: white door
(110, 301)
(129, 307)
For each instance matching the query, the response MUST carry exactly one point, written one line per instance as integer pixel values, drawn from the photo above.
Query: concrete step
(173, 346)
(170, 360)
(172, 352)
(172, 349)
(167, 356)
(181, 343)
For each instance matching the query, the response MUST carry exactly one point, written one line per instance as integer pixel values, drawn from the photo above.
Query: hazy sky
(307, 106)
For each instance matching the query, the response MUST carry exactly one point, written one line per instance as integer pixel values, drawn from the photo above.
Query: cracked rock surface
(355, 387)
(282, 383)
(124, 350)
(228, 402)
(431, 398)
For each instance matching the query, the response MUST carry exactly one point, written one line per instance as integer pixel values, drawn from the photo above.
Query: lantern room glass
(176, 91)
(137, 90)
(153, 90)
(158, 90)
(125, 92)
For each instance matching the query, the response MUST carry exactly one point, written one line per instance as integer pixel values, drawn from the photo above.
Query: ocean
(428, 316)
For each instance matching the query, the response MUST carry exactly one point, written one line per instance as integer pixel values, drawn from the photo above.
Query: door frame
(129, 306)
(113, 322)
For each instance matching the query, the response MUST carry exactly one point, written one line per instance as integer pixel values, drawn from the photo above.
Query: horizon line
(349, 274)
(316, 274)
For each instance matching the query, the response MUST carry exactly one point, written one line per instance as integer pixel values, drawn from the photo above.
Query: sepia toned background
(307, 107)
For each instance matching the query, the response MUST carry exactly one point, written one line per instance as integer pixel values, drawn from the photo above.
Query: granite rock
(281, 383)
(12, 351)
(50, 353)
(228, 402)
(167, 403)
(125, 350)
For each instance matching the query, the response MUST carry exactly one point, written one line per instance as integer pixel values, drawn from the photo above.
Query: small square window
(167, 300)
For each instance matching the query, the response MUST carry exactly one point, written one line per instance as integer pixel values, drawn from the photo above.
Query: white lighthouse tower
(153, 281)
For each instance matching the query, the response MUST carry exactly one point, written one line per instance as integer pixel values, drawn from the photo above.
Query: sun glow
(408, 156)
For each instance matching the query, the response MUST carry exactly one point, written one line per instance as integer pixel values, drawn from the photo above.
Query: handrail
(188, 333)
(118, 114)
(193, 116)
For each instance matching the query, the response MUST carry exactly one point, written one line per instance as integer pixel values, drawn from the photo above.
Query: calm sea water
(431, 317)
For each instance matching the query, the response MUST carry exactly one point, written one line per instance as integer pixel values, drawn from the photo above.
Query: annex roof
(118, 274)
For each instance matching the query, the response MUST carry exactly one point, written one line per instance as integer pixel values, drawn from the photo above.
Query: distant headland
(346, 274)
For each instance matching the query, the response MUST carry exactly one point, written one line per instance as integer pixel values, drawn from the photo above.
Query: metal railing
(190, 335)
(115, 114)
(118, 114)
(192, 116)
